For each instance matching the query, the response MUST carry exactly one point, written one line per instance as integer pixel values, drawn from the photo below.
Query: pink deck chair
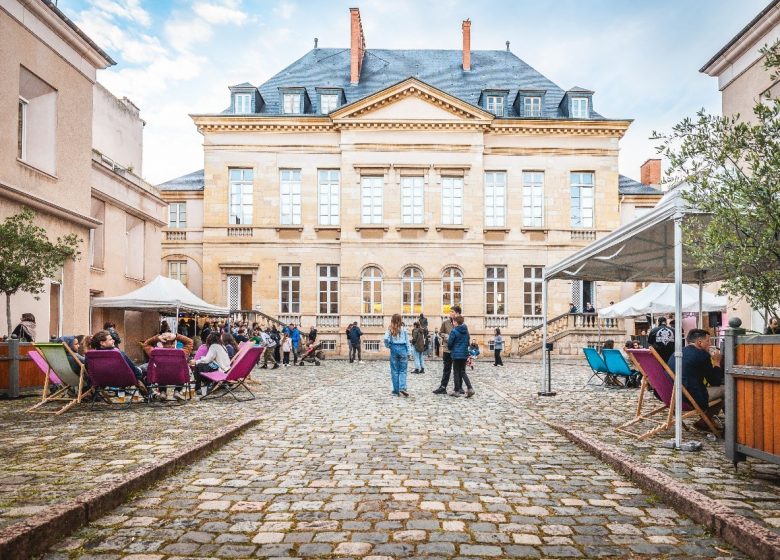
(44, 367)
(108, 373)
(201, 351)
(235, 378)
(168, 366)
(658, 377)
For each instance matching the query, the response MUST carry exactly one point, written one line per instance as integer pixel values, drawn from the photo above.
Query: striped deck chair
(659, 378)
(55, 364)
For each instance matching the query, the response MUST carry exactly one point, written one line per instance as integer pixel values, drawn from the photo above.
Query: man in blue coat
(458, 343)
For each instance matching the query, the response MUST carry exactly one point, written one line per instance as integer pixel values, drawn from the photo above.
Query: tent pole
(678, 345)
(545, 388)
(701, 300)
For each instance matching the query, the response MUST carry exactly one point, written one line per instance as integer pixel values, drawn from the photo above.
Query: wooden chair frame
(61, 395)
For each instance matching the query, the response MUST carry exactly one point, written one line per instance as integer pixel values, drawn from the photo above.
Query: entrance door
(588, 293)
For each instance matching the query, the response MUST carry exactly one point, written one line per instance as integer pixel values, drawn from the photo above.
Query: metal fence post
(13, 367)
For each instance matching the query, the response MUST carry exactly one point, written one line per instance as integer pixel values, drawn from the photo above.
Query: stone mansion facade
(358, 183)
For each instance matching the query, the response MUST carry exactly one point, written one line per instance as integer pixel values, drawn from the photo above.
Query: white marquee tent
(658, 298)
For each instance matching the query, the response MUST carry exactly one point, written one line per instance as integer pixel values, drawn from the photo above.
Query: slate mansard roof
(442, 69)
(628, 186)
(194, 181)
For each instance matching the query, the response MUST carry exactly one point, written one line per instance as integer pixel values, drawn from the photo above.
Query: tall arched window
(372, 291)
(411, 291)
(451, 289)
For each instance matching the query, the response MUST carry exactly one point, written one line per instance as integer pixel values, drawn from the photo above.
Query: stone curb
(33, 536)
(742, 533)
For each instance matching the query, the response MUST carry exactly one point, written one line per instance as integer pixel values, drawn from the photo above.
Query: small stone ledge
(742, 533)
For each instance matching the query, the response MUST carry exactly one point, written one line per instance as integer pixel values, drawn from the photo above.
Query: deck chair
(617, 366)
(200, 352)
(168, 366)
(658, 377)
(109, 374)
(597, 365)
(52, 358)
(235, 378)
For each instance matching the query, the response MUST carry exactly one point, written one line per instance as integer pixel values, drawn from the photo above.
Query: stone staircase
(570, 332)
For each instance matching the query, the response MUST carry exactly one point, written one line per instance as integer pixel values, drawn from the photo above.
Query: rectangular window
(495, 290)
(329, 345)
(495, 198)
(290, 188)
(328, 102)
(290, 288)
(292, 103)
(241, 196)
(371, 345)
(242, 104)
(495, 104)
(177, 270)
(328, 289)
(582, 200)
(234, 292)
(329, 196)
(533, 199)
(371, 196)
(412, 200)
(532, 290)
(579, 107)
(452, 200)
(21, 146)
(532, 106)
(177, 215)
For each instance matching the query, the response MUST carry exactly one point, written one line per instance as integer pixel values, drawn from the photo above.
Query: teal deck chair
(618, 367)
(597, 364)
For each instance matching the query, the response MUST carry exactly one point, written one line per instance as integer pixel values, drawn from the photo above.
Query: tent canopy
(659, 298)
(162, 294)
(640, 251)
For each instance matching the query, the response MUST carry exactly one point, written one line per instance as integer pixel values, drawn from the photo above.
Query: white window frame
(533, 199)
(289, 274)
(580, 107)
(372, 189)
(582, 200)
(242, 187)
(412, 285)
(412, 199)
(328, 344)
(291, 103)
(495, 276)
(532, 290)
(22, 108)
(330, 296)
(450, 278)
(495, 198)
(331, 105)
(328, 196)
(532, 106)
(177, 215)
(371, 275)
(178, 270)
(242, 103)
(452, 200)
(371, 346)
(495, 104)
(289, 196)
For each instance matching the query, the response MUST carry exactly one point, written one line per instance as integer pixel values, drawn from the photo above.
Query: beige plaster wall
(117, 129)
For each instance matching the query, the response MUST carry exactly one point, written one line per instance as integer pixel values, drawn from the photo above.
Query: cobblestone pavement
(355, 472)
(46, 459)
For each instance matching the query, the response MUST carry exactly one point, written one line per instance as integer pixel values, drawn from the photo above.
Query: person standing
(25, 330)
(397, 340)
(286, 349)
(773, 327)
(662, 339)
(590, 314)
(295, 336)
(268, 352)
(458, 344)
(277, 338)
(444, 332)
(498, 347)
(312, 335)
(418, 346)
(354, 343)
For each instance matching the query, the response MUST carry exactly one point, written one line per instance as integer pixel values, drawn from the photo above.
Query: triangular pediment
(411, 100)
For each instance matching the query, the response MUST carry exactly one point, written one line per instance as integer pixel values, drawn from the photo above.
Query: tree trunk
(8, 312)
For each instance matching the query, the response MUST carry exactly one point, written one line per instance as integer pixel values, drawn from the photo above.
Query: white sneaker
(361, 362)
(179, 396)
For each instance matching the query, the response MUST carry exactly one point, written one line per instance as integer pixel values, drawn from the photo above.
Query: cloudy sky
(178, 57)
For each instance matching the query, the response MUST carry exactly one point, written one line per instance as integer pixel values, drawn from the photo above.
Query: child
(397, 340)
(286, 349)
(473, 353)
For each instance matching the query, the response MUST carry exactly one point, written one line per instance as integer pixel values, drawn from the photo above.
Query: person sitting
(74, 343)
(229, 343)
(25, 330)
(773, 327)
(215, 359)
(609, 344)
(700, 365)
(102, 340)
(166, 339)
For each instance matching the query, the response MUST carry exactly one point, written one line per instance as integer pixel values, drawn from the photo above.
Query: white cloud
(220, 13)
(183, 34)
(285, 10)
(130, 10)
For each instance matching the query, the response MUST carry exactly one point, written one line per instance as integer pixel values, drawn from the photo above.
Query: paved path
(355, 472)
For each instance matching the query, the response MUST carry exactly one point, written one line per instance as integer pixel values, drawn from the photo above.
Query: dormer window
(579, 108)
(292, 103)
(532, 106)
(328, 102)
(495, 104)
(242, 104)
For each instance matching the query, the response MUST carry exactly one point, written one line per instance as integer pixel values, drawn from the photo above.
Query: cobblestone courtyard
(350, 471)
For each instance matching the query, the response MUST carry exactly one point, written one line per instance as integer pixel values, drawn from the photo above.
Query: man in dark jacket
(354, 335)
(662, 339)
(458, 343)
(699, 365)
(444, 332)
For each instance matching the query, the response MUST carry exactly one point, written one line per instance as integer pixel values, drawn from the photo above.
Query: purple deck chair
(168, 366)
(109, 373)
(659, 378)
(235, 378)
(201, 351)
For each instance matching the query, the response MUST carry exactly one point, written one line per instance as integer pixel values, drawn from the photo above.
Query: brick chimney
(467, 45)
(357, 46)
(650, 172)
